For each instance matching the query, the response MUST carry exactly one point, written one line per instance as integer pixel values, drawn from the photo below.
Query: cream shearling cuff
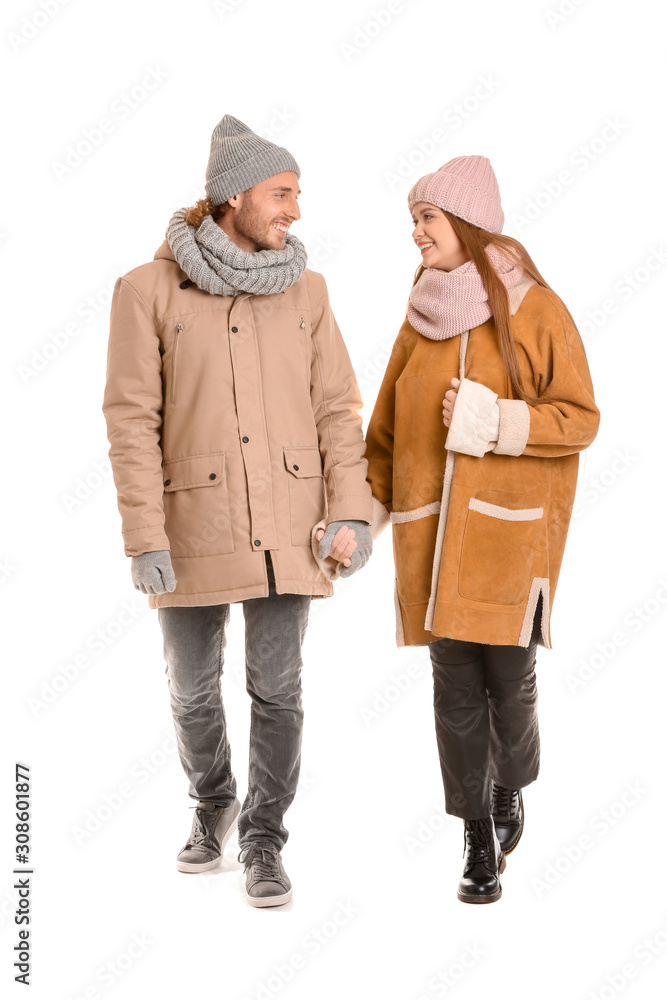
(474, 427)
(514, 427)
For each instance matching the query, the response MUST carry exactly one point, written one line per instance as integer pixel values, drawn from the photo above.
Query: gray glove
(363, 538)
(152, 572)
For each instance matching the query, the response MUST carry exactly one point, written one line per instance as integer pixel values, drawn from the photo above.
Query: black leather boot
(507, 812)
(484, 861)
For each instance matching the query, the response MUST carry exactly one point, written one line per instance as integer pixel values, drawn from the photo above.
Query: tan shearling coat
(234, 427)
(479, 528)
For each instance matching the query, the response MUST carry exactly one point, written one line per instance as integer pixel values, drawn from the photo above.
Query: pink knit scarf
(444, 303)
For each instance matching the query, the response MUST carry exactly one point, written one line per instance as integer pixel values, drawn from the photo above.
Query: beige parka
(234, 427)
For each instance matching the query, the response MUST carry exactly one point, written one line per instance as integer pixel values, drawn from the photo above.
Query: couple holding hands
(243, 475)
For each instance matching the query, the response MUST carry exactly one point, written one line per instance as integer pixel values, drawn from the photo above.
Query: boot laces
(477, 839)
(505, 800)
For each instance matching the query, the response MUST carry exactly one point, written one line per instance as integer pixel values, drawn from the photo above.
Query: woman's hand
(342, 546)
(449, 401)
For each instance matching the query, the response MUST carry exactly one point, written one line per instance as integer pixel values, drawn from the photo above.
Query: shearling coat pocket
(497, 550)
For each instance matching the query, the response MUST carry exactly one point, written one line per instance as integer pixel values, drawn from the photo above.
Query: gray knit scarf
(216, 265)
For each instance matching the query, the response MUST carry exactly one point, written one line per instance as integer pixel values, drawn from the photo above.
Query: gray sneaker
(212, 826)
(266, 881)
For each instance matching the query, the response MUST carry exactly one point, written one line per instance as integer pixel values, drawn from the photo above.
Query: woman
(479, 488)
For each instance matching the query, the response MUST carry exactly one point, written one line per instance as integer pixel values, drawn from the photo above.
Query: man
(232, 414)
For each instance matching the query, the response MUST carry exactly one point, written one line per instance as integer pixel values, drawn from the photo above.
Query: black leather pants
(485, 702)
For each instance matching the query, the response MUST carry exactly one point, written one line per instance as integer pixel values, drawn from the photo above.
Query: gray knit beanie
(239, 158)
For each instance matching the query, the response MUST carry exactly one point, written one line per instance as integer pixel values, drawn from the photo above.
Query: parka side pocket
(196, 505)
(497, 550)
(307, 496)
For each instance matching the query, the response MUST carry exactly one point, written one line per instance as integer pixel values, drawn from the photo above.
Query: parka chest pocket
(196, 505)
(295, 341)
(192, 348)
(498, 549)
(178, 334)
(307, 497)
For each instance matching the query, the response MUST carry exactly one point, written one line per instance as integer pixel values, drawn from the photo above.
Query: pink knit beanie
(465, 186)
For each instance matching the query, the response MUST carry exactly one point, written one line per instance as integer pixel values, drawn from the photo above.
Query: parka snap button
(235, 329)
(245, 439)
(167, 481)
(212, 476)
(257, 541)
(185, 284)
(296, 467)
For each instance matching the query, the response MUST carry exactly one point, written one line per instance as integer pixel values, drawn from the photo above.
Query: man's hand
(152, 572)
(449, 401)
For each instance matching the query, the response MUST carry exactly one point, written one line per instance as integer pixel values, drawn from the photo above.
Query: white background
(372, 856)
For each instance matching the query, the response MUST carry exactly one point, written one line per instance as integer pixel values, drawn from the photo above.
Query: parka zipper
(179, 329)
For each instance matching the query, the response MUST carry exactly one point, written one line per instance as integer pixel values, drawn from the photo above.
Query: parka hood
(164, 251)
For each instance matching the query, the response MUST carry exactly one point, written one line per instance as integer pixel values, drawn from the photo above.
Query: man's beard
(250, 225)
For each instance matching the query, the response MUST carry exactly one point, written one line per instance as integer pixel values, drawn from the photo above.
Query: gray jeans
(194, 640)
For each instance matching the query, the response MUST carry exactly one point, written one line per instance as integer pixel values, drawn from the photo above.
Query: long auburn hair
(474, 241)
